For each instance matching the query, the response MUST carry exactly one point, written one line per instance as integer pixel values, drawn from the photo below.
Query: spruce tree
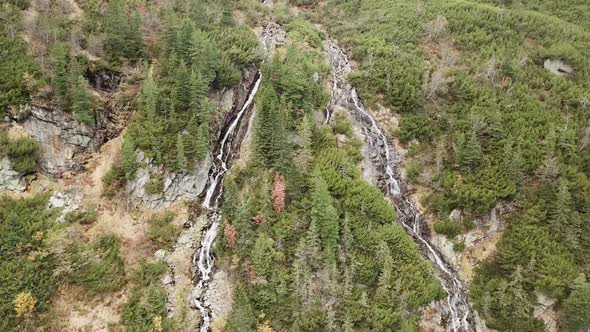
(470, 153)
(264, 126)
(60, 74)
(304, 135)
(129, 161)
(198, 97)
(82, 101)
(170, 36)
(181, 161)
(202, 147)
(325, 216)
(136, 44)
(564, 221)
(116, 30)
(182, 89)
(183, 42)
(227, 17)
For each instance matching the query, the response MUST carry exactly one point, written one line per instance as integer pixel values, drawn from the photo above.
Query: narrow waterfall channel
(387, 163)
(228, 145)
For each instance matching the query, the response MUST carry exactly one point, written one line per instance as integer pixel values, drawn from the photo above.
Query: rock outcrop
(10, 180)
(176, 186)
(64, 140)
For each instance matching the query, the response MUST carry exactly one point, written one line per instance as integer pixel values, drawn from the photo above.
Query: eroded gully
(387, 163)
(227, 146)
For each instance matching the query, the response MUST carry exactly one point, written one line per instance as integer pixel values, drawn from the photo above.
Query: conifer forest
(295, 165)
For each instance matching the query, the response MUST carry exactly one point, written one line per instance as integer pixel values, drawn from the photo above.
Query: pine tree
(82, 101)
(136, 44)
(116, 30)
(304, 134)
(183, 46)
(263, 256)
(266, 105)
(564, 221)
(170, 36)
(471, 154)
(181, 161)
(325, 216)
(198, 97)
(202, 147)
(227, 17)
(383, 292)
(149, 97)
(60, 75)
(182, 89)
(129, 161)
(577, 306)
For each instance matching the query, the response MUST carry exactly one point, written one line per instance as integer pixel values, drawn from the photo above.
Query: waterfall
(344, 95)
(204, 260)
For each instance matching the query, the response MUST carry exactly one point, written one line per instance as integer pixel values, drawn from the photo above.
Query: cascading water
(204, 260)
(344, 95)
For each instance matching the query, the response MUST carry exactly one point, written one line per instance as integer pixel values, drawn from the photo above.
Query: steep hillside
(295, 165)
(493, 104)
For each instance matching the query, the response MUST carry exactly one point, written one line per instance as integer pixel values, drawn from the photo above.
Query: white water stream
(344, 95)
(204, 260)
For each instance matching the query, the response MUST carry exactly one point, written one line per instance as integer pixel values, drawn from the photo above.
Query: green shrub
(114, 179)
(98, 267)
(22, 152)
(156, 184)
(83, 217)
(27, 265)
(459, 246)
(161, 230)
(448, 228)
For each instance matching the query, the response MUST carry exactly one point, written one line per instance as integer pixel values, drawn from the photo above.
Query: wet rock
(219, 295)
(10, 180)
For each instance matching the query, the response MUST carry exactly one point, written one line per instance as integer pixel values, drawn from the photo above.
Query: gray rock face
(177, 187)
(62, 138)
(10, 180)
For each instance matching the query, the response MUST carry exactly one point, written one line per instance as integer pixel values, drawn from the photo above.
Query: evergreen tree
(325, 216)
(129, 161)
(202, 147)
(227, 17)
(263, 256)
(577, 306)
(470, 153)
(565, 222)
(116, 30)
(60, 75)
(383, 292)
(182, 89)
(183, 42)
(205, 58)
(149, 97)
(304, 155)
(82, 101)
(198, 97)
(181, 161)
(136, 45)
(170, 36)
